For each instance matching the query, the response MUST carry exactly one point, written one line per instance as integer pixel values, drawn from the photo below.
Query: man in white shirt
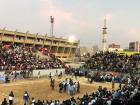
(11, 98)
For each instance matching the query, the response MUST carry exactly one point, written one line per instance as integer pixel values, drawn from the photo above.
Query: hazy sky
(81, 18)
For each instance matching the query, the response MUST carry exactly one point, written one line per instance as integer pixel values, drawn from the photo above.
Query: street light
(71, 39)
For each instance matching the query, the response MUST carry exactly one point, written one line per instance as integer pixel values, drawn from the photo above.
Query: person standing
(78, 87)
(33, 101)
(38, 74)
(128, 81)
(56, 74)
(4, 102)
(65, 86)
(113, 83)
(52, 83)
(7, 78)
(75, 74)
(68, 89)
(15, 76)
(60, 87)
(50, 75)
(26, 98)
(120, 85)
(11, 98)
(72, 74)
(74, 88)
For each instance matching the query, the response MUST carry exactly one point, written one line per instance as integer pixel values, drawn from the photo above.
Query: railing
(19, 41)
(29, 41)
(11, 34)
(5, 38)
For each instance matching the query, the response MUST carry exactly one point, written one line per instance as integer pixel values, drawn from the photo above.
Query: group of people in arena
(20, 57)
(111, 61)
(69, 86)
(129, 94)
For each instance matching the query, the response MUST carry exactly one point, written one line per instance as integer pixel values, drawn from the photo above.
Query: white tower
(104, 36)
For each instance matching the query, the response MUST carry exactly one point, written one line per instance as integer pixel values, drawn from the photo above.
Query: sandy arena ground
(40, 89)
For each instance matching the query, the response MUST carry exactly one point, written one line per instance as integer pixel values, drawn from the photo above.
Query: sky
(82, 19)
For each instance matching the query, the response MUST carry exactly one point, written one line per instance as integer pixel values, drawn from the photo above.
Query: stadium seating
(15, 57)
(111, 61)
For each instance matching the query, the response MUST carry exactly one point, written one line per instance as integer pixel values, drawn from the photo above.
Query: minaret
(104, 37)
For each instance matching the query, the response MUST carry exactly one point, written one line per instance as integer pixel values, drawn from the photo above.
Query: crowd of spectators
(111, 61)
(129, 95)
(20, 57)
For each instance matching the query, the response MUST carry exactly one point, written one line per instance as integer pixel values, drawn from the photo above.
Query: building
(134, 46)
(114, 47)
(61, 47)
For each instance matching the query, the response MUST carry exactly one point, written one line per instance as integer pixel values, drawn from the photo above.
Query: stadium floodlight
(71, 39)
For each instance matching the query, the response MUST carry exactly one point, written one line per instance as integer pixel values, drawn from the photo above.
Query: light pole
(52, 26)
(104, 33)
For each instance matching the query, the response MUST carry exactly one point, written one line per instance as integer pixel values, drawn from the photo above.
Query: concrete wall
(75, 65)
(2, 73)
(47, 72)
(42, 72)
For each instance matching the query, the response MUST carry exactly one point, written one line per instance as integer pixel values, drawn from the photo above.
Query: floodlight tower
(51, 29)
(104, 33)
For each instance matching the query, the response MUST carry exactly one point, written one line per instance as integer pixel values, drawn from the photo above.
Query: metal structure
(52, 25)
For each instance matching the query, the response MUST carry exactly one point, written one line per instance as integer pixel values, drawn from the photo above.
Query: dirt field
(40, 89)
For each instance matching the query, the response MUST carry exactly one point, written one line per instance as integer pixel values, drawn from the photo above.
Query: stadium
(41, 69)
(35, 70)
